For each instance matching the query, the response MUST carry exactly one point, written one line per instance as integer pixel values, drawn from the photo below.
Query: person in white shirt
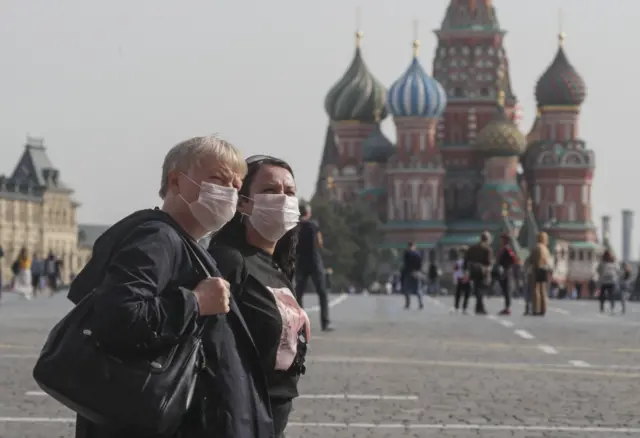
(461, 282)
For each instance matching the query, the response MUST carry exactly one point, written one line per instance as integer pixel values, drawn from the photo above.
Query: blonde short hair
(188, 153)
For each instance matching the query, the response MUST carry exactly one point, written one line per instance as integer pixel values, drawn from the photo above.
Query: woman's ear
(244, 206)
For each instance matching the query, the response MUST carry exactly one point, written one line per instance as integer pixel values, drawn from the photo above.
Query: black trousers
(281, 412)
(606, 291)
(478, 290)
(317, 278)
(505, 285)
(463, 290)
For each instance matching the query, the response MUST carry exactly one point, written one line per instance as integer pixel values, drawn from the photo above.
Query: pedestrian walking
(461, 282)
(540, 275)
(609, 277)
(478, 261)
(625, 286)
(52, 272)
(309, 264)
(37, 270)
(22, 283)
(506, 259)
(255, 253)
(410, 275)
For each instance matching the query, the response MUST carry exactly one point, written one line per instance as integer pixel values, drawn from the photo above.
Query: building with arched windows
(460, 164)
(38, 212)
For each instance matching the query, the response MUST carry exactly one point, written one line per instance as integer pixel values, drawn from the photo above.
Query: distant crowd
(32, 275)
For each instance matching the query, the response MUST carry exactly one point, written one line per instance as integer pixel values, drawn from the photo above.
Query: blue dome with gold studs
(416, 94)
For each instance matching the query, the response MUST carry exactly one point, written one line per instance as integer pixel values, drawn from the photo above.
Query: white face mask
(274, 214)
(215, 205)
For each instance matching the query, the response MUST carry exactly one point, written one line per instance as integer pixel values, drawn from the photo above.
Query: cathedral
(460, 164)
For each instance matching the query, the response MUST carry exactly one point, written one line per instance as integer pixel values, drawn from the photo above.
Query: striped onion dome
(561, 84)
(357, 96)
(416, 94)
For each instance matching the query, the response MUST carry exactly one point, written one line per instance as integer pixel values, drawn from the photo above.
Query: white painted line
(36, 420)
(524, 334)
(506, 323)
(402, 426)
(332, 303)
(18, 356)
(359, 397)
(548, 349)
(558, 310)
(435, 301)
(310, 396)
(473, 427)
(579, 363)
(492, 317)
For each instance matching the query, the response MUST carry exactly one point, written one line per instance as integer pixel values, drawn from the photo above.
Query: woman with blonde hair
(540, 271)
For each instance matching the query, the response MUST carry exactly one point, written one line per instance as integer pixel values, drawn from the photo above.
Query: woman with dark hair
(255, 253)
(608, 276)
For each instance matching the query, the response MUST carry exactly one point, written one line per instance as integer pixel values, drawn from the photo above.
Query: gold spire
(359, 33)
(561, 34)
(416, 41)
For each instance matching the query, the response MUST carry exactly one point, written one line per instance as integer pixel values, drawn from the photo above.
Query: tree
(351, 239)
(339, 248)
(364, 226)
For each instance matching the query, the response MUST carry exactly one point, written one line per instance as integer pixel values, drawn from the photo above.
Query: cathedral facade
(460, 164)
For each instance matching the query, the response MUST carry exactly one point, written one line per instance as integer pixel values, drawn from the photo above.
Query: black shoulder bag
(151, 394)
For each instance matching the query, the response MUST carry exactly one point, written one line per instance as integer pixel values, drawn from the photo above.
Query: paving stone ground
(390, 372)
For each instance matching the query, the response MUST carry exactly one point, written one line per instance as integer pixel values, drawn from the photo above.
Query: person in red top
(506, 258)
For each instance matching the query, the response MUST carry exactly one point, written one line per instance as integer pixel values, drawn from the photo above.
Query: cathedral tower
(415, 175)
(355, 105)
(558, 164)
(469, 57)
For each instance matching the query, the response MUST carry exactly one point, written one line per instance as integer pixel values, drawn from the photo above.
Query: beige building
(38, 212)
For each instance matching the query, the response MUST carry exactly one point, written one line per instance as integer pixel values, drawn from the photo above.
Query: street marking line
(558, 310)
(347, 397)
(548, 349)
(332, 303)
(579, 363)
(435, 301)
(523, 367)
(474, 427)
(404, 426)
(359, 397)
(506, 323)
(36, 420)
(492, 317)
(18, 356)
(524, 334)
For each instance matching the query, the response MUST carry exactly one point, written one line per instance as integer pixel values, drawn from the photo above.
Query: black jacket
(144, 256)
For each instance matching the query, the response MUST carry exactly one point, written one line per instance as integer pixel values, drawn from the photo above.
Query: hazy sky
(111, 85)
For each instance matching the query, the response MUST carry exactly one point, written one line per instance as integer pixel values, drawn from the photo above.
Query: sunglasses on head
(260, 158)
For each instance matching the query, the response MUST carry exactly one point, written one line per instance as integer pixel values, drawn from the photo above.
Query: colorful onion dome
(416, 94)
(357, 96)
(561, 85)
(501, 137)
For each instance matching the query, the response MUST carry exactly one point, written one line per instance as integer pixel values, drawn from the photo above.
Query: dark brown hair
(235, 233)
